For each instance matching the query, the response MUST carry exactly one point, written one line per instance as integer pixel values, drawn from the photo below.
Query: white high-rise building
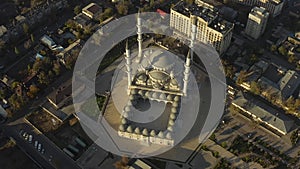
(211, 28)
(257, 22)
(274, 7)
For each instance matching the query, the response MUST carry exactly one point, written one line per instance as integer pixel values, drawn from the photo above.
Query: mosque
(159, 78)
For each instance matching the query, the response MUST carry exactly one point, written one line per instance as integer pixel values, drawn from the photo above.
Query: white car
(39, 147)
(36, 144)
(30, 137)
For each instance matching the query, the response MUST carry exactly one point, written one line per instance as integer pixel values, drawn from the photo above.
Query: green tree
(16, 101)
(32, 37)
(255, 88)
(25, 28)
(122, 8)
(77, 9)
(273, 48)
(282, 51)
(17, 52)
(43, 78)
(56, 68)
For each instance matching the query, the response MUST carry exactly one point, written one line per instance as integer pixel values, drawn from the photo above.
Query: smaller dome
(162, 96)
(145, 132)
(161, 134)
(131, 97)
(170, 128)
(129, 129)
(127, 109)
(175, 104)
(123, 121)
(169, 135)
(171, 122)
(173, 110)
(121, 127)
(142, 77)
(176, 98)
(141, 92)
(158, 76)
(134, 91)
(173, 82)
(173, 116)
(125, 114)
(155, 95)
(152, 133)
(169, 97)
(137, 131)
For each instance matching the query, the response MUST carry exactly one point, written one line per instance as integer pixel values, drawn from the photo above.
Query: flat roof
(210, 15)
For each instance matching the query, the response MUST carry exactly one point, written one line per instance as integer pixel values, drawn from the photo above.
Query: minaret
(193, 36)
(140, 38)
(128, 67)
(186, 72)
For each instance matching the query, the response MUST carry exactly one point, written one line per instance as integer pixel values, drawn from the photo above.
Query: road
(53, 156)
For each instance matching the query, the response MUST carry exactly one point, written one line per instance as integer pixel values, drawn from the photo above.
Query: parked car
(39, 147)
(30, 137)
(36, 144)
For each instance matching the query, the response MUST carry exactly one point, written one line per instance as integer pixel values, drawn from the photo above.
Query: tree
(37, 65)
(273, 48)
(282, 51)
(122, 164)
(25, 28)
(255, 88)
(242, 77)
(292, 59)
(32, 37)
(16, 101)
(17, 52)
(290, 103)
(122, 8)
(2, 44)
(77, 9)
(33, 90)
(56, 68)
(43, 78)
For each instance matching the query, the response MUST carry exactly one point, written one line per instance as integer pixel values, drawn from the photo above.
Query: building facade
(274, 7)
(211, 28)
(257, 22)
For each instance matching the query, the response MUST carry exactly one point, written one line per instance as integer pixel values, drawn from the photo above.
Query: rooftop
(92, 8)
(208, 14)
(263, 111)
(259, 12)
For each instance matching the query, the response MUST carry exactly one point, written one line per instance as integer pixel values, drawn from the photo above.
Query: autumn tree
(122, 164)
(33, 90)
(43, 78)
(255, 88)
(242, 77)
(77, 9)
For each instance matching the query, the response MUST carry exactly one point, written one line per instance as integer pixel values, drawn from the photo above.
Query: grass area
(89, 108)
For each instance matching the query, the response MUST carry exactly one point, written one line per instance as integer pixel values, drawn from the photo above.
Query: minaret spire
(193, 36)
(128, 66)
(186, 72)
(139, 39)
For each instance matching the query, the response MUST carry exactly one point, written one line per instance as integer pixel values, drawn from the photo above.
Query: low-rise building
(269, 117)
(92, 10)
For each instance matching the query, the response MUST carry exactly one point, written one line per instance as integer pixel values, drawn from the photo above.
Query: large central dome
(160, 59)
